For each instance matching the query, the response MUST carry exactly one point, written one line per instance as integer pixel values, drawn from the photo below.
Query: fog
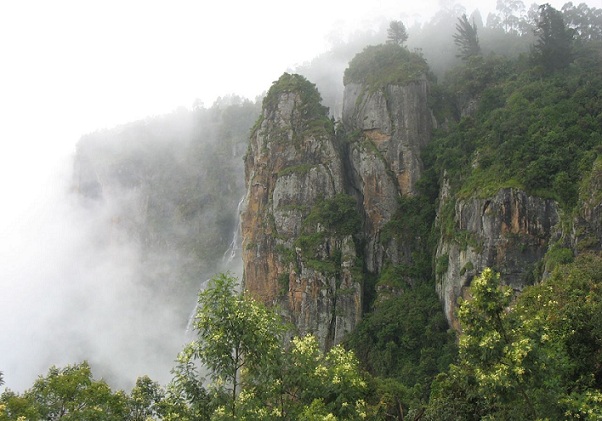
(70, 283)
(71, 292)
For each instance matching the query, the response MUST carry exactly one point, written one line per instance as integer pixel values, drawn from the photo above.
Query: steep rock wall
(317, 205)
(398, 121)
(391, 125)
(294, 168)
(508, 232)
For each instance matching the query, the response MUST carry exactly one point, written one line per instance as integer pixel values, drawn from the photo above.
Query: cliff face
(295, 254)
(508, 232)
(394, 123)
(331, 221)
(316, 205)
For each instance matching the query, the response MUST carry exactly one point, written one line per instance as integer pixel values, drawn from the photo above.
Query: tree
(68, 393)
(306, 383)
(585, 21)
(397, 34)
(466, 38)
(237, 338)
(534, 357)
(146, 400)
(554, 40)
(496, 362)
(508, 10)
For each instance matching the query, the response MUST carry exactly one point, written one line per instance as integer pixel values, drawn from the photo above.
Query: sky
(71, 67)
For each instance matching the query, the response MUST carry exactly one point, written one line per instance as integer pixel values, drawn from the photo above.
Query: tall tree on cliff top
(466, 38)
(552, 50)
(397, 34)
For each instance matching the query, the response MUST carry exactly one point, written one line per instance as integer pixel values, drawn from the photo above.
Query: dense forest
(517, 104)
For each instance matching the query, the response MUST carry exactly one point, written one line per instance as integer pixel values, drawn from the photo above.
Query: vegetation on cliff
(538, 134)
(385, 64)
(312, 115)
(532, 122)
(508, 122)
(535, 358)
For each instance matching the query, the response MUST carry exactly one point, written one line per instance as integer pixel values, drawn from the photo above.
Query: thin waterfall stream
(229, 264)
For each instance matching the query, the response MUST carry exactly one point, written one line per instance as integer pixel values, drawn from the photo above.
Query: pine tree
(466, 38)
(554, 44)
(397, 34)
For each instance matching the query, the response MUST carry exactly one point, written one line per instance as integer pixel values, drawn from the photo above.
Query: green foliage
(146, 400)
(234, 334)
(68, 393)
(412, 219)
(553, 48)
(412, 223)
(337, 216)
(406, 339)
(468, 267)
(558, 255)
(296, 169)
(527, 132)
(330, 384)
(312, 115)
(536, 358)
(269, 381)
(382, 65)
(442, 264)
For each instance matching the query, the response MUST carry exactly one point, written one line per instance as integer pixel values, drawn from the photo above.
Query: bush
(385, 64)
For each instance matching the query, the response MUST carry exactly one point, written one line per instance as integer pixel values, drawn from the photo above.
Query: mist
(75, 284)
(73, 293)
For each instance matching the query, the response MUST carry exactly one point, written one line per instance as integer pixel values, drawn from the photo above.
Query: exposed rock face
(398, 121)
(508, 232)
(312, 200)
(293, 167)
(394, 123)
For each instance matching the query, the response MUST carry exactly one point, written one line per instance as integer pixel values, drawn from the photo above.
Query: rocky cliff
(332, 220)
(299, 227)
(391, 124)
(509, 232)
(318, 203)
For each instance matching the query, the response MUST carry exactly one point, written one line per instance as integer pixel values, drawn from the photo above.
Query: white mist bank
(70, 290)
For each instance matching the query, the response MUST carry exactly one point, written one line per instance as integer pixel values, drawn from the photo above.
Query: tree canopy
(533, 357)
(553, 49)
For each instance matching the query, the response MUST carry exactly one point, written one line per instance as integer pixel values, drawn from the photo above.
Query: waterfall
(189, 325)
(234, 247)
(228, 263)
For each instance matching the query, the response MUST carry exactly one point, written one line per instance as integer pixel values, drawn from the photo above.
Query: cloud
(72, 290)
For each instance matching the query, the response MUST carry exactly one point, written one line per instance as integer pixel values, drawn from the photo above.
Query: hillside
(434, 253)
